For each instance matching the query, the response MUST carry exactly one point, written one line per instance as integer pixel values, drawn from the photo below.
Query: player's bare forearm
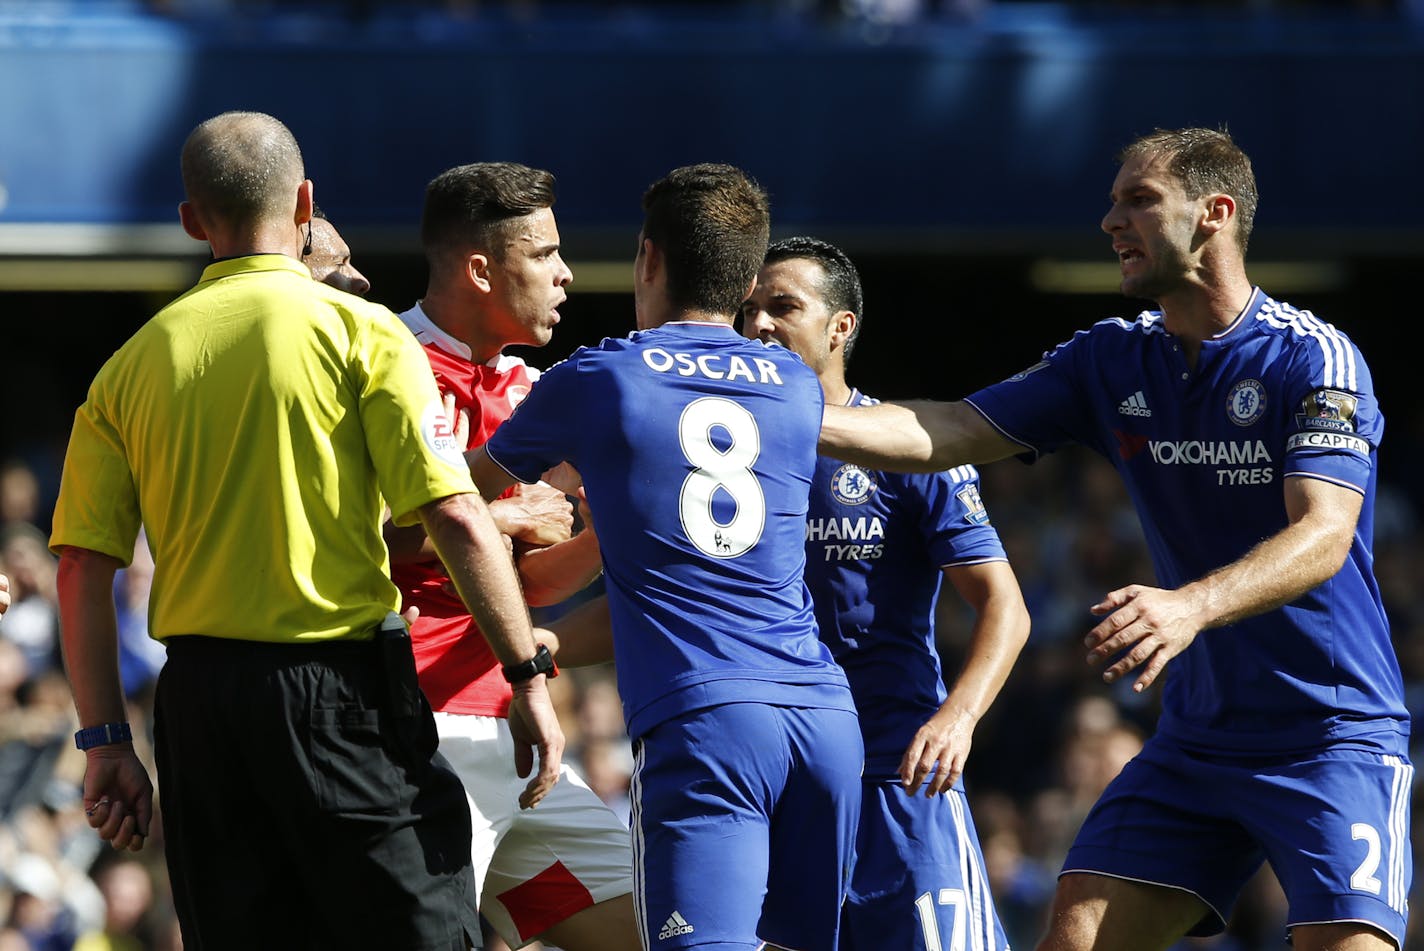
(483, 573)
(118, 794)
(537, 514)
(920, 436)
(1001, 626)
(1000, 631)
(489, 478)
(89, 634)
(475, 555)
(479, 564)
(555, 573)
(1303, 555)
(1154, 625)
(583, 636)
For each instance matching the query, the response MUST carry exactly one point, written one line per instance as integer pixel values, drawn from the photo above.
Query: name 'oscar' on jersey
(696, 448)
(1203, 451)
(876, 547)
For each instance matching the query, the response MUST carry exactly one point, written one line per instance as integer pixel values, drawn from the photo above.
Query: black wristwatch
(541, 663)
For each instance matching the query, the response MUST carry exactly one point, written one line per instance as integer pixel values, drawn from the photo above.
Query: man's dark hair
(711, 223)
(241, 167)
(472, 207)
(1205, 161)
(840, 282)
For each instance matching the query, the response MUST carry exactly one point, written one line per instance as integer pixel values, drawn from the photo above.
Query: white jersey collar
(1258, 297)
(428, 332)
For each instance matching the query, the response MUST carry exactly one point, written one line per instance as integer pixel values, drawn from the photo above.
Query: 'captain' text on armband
(1328, 440)
(713, 366)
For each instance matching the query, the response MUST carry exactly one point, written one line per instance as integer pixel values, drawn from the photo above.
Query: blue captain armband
(105, 734)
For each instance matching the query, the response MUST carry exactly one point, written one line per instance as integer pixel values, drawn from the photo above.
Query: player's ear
(842, 325)
(188, 217)
(1219, 211)
(477, 268)
(648, 263)
(306, 202)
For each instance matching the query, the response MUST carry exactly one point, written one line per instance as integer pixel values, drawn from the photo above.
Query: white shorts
(533, 867)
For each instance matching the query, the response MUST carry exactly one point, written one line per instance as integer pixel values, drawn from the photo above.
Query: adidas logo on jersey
(675, 925)
(1134, 405)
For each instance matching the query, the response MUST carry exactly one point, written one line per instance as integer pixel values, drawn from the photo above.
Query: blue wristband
(103, 735)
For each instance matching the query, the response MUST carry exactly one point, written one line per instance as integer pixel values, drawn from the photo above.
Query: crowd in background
(1041, 756)
(1053, 740)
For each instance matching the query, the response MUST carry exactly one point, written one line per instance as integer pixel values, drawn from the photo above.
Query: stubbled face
(330, 260)
(1153, 225)
(527, 280)
(786, 306)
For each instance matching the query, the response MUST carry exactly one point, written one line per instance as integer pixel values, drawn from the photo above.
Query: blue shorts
(744, 822)
(919, 881)
(1333, 824)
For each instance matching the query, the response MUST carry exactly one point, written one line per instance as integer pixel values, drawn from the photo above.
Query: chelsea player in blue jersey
(696, 449)
(878, 546)
(1246, 431)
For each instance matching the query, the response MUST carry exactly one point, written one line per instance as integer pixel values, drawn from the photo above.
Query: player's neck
(262, 239)
(1203, 311)
(836, 389)
(462, 322)
(694, 316)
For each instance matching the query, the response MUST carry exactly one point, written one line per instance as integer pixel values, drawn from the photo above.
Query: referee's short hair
(241, 168)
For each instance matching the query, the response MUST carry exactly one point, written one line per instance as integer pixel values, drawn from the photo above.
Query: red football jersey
(458, 671)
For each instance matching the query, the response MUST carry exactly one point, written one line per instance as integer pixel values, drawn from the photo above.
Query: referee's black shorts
(304, 804)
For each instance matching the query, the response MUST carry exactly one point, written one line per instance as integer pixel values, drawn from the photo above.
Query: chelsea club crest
(851, 485)
(1247, 402)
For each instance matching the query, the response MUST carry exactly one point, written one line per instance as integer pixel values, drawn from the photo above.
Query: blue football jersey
(876, 544)
(1203, 452)
(696, 448)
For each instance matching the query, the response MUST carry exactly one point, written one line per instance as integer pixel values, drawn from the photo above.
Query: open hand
(1156, 624)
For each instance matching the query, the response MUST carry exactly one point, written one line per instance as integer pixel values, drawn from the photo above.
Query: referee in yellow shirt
(253, 428)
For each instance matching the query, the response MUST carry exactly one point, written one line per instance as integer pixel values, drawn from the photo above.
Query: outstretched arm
(489, 478)
(118, 794)
(1159, 624)
(1001, 624)
(537, 514)
(920, 436)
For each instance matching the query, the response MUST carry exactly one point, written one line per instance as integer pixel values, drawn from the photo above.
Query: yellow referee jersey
(253, 427)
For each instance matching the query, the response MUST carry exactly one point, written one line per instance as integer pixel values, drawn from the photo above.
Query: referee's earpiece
(307, 248)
